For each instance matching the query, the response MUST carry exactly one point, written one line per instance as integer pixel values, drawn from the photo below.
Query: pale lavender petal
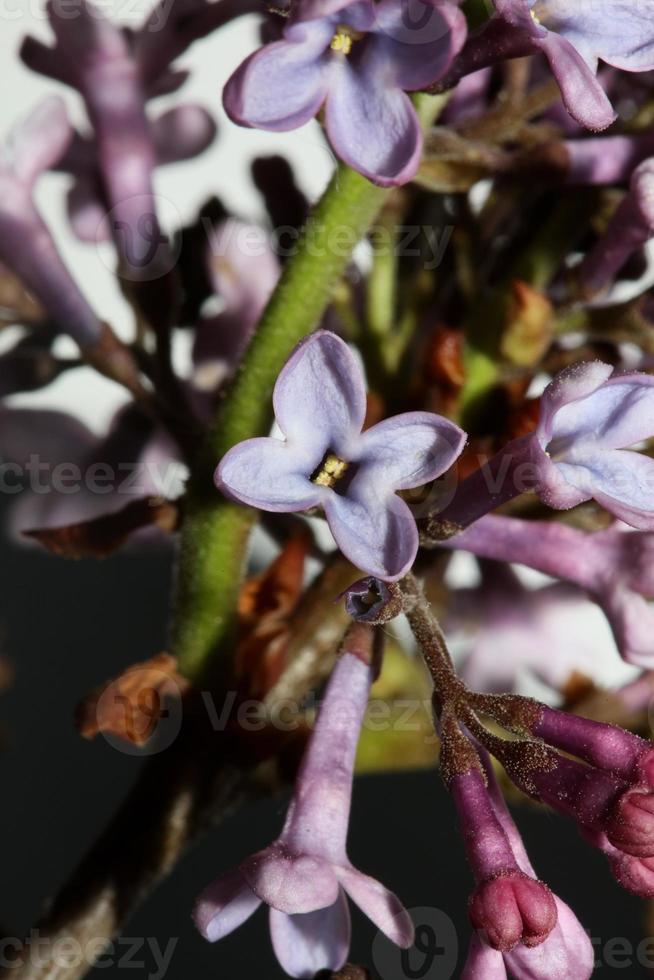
(182, 133)
(382, 907)
(224, 906)
(567, 952)
(619, 32)
(306, 944)
(631, 618)
(40, 140)
(553, 487)
(421, 39)
(576, 381)
(243, 268)
(320, 396)
(408, 450)
(271, 475)
(618, 414)
(372, 123)
(377, 532)
(483, 963)
(619, 480)
(282, 85)
(289, 883)
(86, 213)
(582, 93)
(359, 14)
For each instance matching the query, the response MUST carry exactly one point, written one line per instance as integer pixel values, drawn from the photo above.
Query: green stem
(215, 532)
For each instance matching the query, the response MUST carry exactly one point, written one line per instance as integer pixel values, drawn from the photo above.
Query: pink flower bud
(513, 908)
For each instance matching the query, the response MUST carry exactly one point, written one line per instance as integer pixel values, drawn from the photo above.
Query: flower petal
(282, 85)
(289, 883)
(619, 480)
(320, 396)
(39, 141)
(307, 944)
(410, 449)
(619, 32)
(567, 952)
(422, 38)
(582, 93)
(371, 122)
(483, 963)
(576, 381)
(271, 475)
(618, 414)
(224, 906)
(86, 212)
(182, 133)
(380, 905)
(359, 14)
(377, 532)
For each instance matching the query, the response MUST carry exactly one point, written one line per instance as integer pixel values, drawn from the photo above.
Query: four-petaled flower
(574, 35)
(358, 59)
(589, 417)
(304, 875)
(327, 461)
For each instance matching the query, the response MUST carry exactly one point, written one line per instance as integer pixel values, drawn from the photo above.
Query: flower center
(330, 472)
(344, 38)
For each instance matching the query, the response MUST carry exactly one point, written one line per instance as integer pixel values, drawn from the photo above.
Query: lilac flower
(326, 461)
(102, 62)
(305, 874)
(630, 228)
(244, 271)
(505, 633)
(26, 246)
(566, 950)
(508, 906)
(574, 36)
(614, 567)
(589, 416)
(178, 134)
(358, 59)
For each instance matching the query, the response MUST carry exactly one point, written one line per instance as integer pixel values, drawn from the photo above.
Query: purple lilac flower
(504, 634)
(630, 228)
(326, 460)
(305, 874)
(614, 567)
(508, 906)
(178, 134)
(566, 951)
(589, 417)
(357, 59)
(26, 246)
(99, 60)
(575, 36)
(244, 271)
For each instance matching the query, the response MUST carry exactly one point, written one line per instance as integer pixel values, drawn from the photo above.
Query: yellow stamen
(535, 18)
(331, 470)
(344, 38)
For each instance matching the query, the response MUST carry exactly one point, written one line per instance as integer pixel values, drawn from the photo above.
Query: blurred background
(65, 627)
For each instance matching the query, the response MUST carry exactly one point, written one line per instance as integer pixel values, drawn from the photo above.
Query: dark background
(66, 627)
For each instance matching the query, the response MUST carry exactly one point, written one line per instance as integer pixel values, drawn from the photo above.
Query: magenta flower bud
(605, 746)
(635, 874)
(305, 874)
(508, 905)
(513, 908)
(630, 228)
(630, 827)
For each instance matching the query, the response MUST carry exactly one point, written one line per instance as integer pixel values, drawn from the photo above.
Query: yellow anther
(344, 38)
(330, 471)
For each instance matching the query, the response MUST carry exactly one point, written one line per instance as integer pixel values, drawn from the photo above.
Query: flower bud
(513, 908)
